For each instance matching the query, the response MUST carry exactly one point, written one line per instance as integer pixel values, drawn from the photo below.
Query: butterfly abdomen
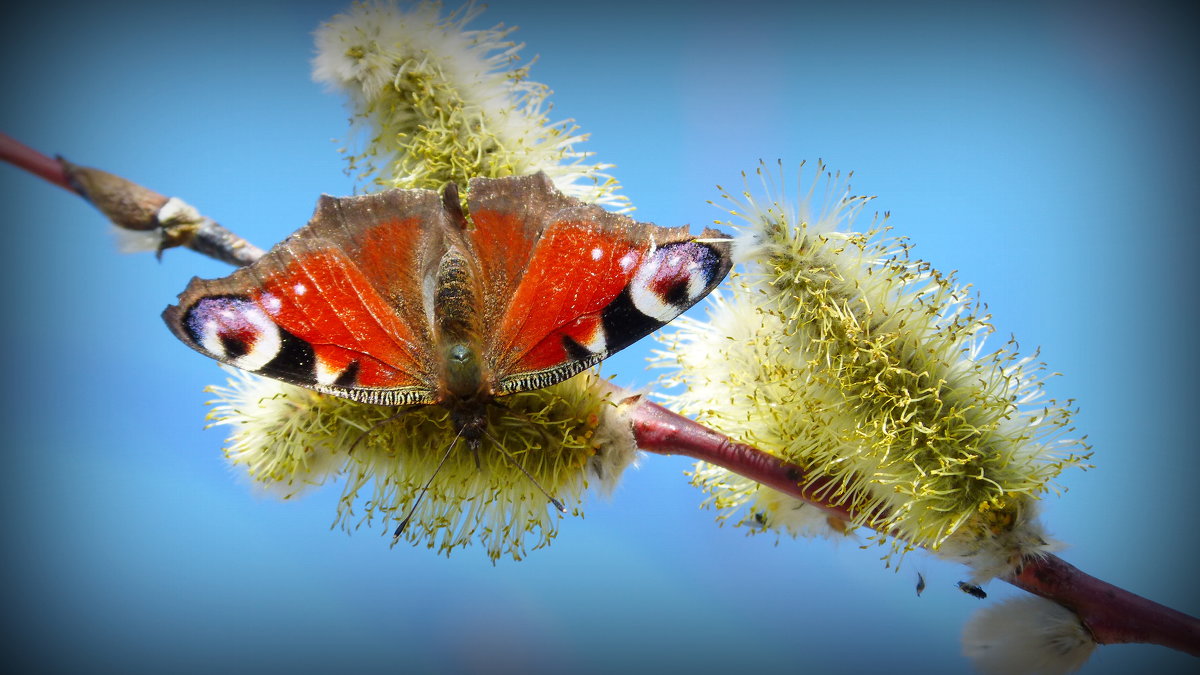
(456, 325)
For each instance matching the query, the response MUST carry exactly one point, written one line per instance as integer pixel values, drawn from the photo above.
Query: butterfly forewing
(396, 239)
(508, 217)
(590, 283)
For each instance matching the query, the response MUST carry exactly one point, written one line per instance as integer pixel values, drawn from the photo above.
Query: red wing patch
(575, 272)
(325, 300)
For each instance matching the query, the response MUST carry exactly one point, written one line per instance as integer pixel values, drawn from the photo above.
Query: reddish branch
(34, 162)
(661, 431)
(1113, 615)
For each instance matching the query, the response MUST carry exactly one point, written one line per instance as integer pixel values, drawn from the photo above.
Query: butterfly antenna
(375, 426)
(417, 502)
(557, 504)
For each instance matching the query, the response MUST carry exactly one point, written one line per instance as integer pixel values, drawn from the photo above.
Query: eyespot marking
(234, 329)
(673, 278)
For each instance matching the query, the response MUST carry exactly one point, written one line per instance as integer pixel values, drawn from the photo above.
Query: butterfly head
(465, 393)
(470, 421)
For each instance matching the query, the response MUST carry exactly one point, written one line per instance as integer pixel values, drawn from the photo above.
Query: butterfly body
(401, 298)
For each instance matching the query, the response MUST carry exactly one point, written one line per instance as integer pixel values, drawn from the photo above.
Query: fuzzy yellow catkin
(1027, 635)
(440, 103)
(838, 351)
(569, 437)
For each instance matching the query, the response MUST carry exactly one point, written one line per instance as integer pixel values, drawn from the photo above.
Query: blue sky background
(1046, 152)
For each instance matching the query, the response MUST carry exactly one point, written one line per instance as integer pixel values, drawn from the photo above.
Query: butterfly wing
(571, 284)
(345, 305)
(337, 307)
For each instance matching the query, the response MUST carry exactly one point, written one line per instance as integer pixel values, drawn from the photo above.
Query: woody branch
(1111, 614)
(132, 207)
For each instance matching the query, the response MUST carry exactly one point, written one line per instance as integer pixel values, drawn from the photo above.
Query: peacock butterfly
(398, 298)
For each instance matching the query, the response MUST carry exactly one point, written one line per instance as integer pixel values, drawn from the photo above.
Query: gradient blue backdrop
(1046, 153)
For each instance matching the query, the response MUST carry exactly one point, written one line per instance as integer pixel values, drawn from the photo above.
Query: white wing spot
(695, 282)
(597, 253)
(327, 374)
(595, 342)
(271, 303)
(299, 289)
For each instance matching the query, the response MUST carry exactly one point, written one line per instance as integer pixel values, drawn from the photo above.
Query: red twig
(1113, 615)
(42, 166)
(661, 431)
